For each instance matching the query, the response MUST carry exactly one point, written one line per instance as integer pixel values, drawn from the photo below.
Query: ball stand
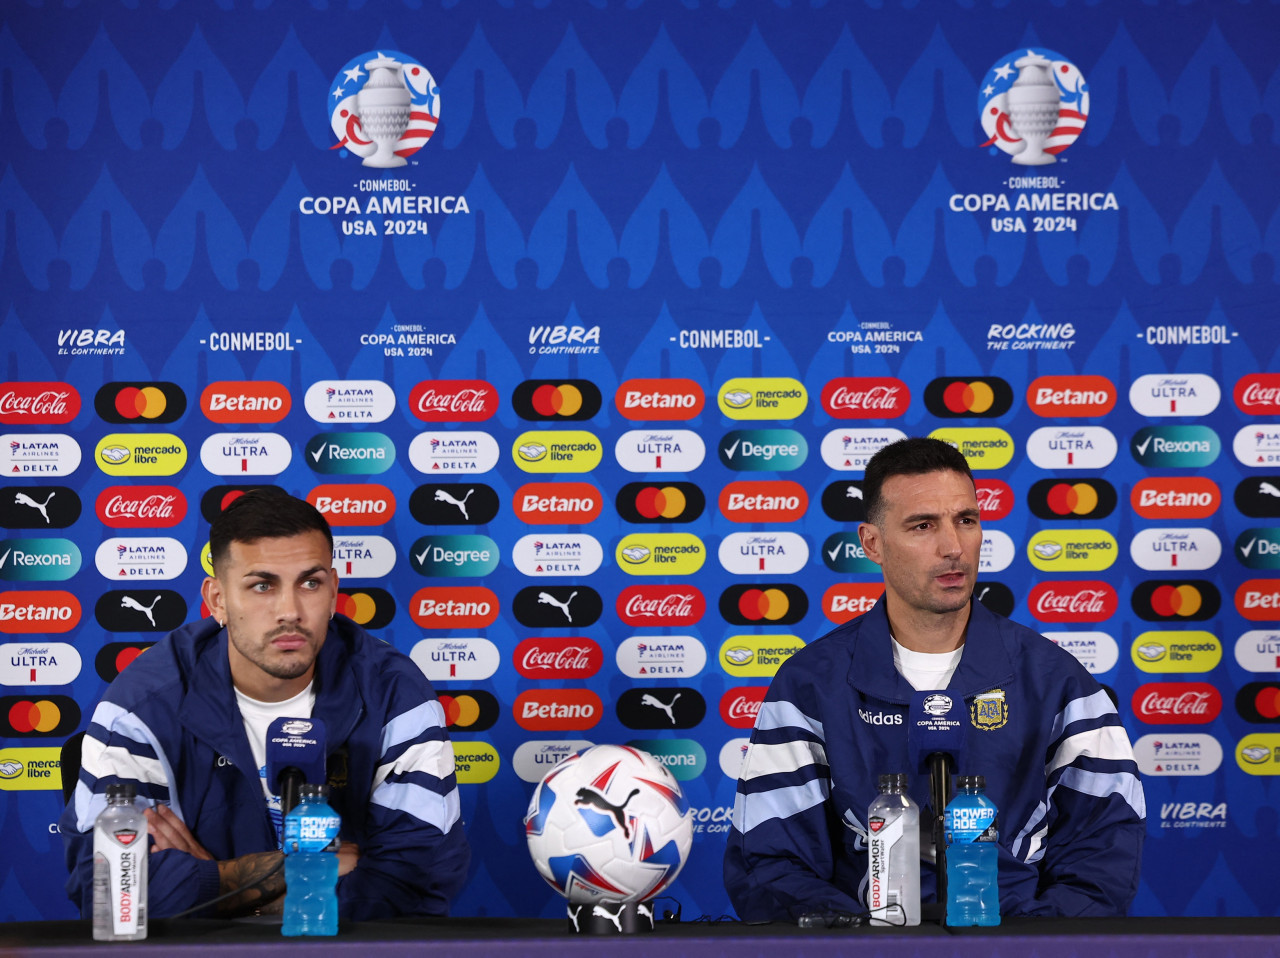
(611, 918)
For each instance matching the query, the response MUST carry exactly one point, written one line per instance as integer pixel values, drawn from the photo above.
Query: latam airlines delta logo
(384, 107)
(1033, 104)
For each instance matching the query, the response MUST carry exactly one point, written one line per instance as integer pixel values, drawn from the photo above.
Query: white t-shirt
(925, 670)
(258, 717)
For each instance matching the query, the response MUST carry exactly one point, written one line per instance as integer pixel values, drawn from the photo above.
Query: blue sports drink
(973, 889)
(311, 864)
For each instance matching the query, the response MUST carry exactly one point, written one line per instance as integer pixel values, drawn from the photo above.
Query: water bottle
(973, 889)
(311, 864)
(120, 869)
(893, 859)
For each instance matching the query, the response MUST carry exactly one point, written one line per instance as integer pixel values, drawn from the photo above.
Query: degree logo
(1078, 499)
(763, 553)
(995, 498)
(1259, 549)
(871, 397)
(647, 450)
(349, 400)
(140, 402)
(1258, 446)
(140, 454)
(842, 501)
(1072, 550)
(350, 453)
(363, 557)
(568, 451)
(759, 450)
(847, 600)
(660, 657)
(54, 611)
(1174, 394)
(454, 556)
(982, 397)
(366, 504)
(558, 606)
(1259, 754)
(219, 497)
(38, 455)
(454, 504)
(1186, 600)
(661, 605)
(371, 608)
(1259, 497)
(53, 715)
(983, 448)
(38, 560)
(140, 610)
(1259, 703)
(38, 663)
(1073, 447)
(30, 769)
(757, 656)
(474, 763)
(454, 607)
(469, 710)
(644, 502)
(842, 552)
(545, 400)
(1017, 108)
(778, 604)
(1258, 394)
(114, 657)
(30, 403)
(1071, 396)
(1176, 651)
(39, 507)
(764, 501)
(655, 708)
(654, 399)
(1258, 650)
(1175, 447)
(849, 450)
(453, 453)
(245, 402)
(1259, 599)
(560, 709)
(453, 400)
(768, 398)
(388, 91)
(557, 503)
(1177, 497)
(1160, 550)
(456, 659)
(246, 454)
(660, 553)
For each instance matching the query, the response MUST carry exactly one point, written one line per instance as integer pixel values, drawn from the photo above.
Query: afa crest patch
(989, 710)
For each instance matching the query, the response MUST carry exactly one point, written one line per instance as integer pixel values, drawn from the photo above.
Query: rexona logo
(44, 404)
(245, 401)
(1160, 550)
(139, 507)
(684, 758)
(1185, 753)
(659, 399)
(766, 398)
(38, 663)
(1072, 550)
(557, 555)
(848, 450)
(1175, 447)
(763, 553)
(440, 453)
(349, 400)
(38, 612)
(1176, 651)
(1259, 703)
(983, 448)
(363, 557)
(469, 710)
(757, 656)
(1258, 446)
(216, 499)
(645, 502)
(454, 607)
(1176, 497)
(557, 658)
(1258, 394)
(1176, 703)
(872, 397)
(475, 763)
(454, 504)
(1259, 753)
(646, 450)
(757, 450)
(557, 503)
(140, 403)
(53, 715)
(350, 453)
(38, 560)
(546, 400)
(763, 501)
(661, 657)
(153, 558)
(656, 708)
(661, 605)
(1176, 600)
(140, 454)
(568, 451)
(1258, 650)
(778, 604)
(39, 507)
(842, 501)
(559, 709)
(845, 601)
(30, 769)
(454, 555)
(1259, 549)
(456, 660)
(981, 397)
(140, 610)
(453, 400)
(1259, 599)
(740, 706)
(534, 759)
(366, 504)
(995, 498)
(1096, 651)
(1078, 499)
(843, 553)
(1071, 396)
(246, 454)
(1174, 394)
(1086, 601)
(557, 606)
(370, 607)
(114, 657)
(1074, 447)
(660, 553)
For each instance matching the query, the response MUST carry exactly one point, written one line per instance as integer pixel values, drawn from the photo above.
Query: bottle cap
(896, 782)
(125, 792)
(971, 781)
(309, 791)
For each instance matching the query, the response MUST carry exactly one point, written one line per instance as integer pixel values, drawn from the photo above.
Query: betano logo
(1072, 550)
(1082, 499)
(559, 709)
(845, 600)
(757, 656)
(1174, 394)
(556, 399)
(557, 503)
(763, 553)
(763, 501)
(38, 403)
(1175, 447)
(364, 504)
(1071, 396)
(869, 397)
(1259, 753)
(1163, 550)
(350, 453)
(660, 553)
(41, 613)
(764, 398)
(1188, 651)
(140, 401)
(454, 607)
(1259, 599)
(983, 397)
(1175, 497)
(1259, 549)
(982, 448)
(1193, 600)
(245, 402)
(453, 400)
(659, 399)
(779, 604)
(568, 451)
(1071, 447)
(140, 454)
(1258, 394)
(474, 763)
(246, 454)
(643, 502)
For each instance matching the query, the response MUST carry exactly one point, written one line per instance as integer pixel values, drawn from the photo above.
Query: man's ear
(869, 536)
(211, 592)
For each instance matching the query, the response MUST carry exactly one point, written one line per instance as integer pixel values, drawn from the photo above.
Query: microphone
(935, 741)
(295, 756)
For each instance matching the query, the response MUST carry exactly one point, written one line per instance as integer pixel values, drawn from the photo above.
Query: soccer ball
(609, 824)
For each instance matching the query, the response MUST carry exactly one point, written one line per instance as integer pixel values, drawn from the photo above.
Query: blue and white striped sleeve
(415, 769)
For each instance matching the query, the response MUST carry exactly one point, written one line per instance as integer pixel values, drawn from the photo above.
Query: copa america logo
(1033, 105)
(385, 106)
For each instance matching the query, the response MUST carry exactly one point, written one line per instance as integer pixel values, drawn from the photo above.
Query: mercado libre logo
(383, 108)
(1032, 105)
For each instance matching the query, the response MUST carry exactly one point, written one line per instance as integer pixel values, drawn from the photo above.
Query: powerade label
(311, 833)
(964, 825)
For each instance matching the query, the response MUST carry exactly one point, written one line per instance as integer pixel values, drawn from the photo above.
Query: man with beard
(1046, 735)
(186, 724)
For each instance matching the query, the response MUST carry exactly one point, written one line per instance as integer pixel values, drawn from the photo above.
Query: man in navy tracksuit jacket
(171, 724)
(1046, 736)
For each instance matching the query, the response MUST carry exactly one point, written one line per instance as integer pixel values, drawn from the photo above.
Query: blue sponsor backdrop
(630, 174)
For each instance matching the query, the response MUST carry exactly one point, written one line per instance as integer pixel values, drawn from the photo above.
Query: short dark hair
(907, 457)
(263, 514)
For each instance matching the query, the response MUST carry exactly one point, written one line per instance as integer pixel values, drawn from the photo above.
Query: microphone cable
(231, 894)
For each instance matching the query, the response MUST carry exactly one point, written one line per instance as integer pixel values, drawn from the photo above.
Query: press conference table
(1016, 938)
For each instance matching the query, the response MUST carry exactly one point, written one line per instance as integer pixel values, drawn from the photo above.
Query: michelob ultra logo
(349, 400)
(869, 397)
(456, 659)
(1176, 651)
(780, 603)
(350, 453)
(660, 553)
(1072, 550)
(684, 758)
(660, 450)
(659, 399)
(1258, 446)
(245, 401)
(38, 663)
(842, 552)
(533, 759)
(474, 763)
(40, 455)
(38, 612)
(1159, 550)
(1185, 600)
(454, 555)
(363, 504)
(1259, 548)
(1174, 394)
(129, 559)
(757, 656)
(1258, 650)
(1078, 499)
(849, 450)
(846, 600)
(1176, 497)
(30, 769)
(982, 448)
(1257, 754)
(43, 403)
(373, 608)
(454, 607)
(140, 403)
(1071, 447)
(1175, 447)
(955, 397)
(140, 454)
(38, 560)
(647, 502)
(1259, 599)
(1074, 396)
(453, 400)
(568, 451)
(763, 553)
(765, 398)
(1258, 394)
(246, 454)
(763, 450)
(557, 503)
(763, 501)
(551, 399)
(363, 557)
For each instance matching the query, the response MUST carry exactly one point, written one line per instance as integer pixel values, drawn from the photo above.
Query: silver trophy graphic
(1033, 109)
(383, 105)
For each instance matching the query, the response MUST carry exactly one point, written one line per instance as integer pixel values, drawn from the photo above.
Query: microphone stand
(939, 795)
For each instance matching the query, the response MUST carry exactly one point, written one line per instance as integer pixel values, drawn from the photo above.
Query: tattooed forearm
(255, 871)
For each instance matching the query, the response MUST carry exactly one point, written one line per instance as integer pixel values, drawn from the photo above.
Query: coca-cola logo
(739, 706)
(995, 498)
(549, 658)
(453, 400)
(879, 397)
(135, 507)
(661, 605)
(27, 403)
(1259, 394)
(1177, 703)
(1089, 601)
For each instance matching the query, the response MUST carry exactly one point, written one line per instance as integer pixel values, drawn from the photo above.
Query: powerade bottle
(311, 864)
(893, 855)
(120, 869)
(973, 889)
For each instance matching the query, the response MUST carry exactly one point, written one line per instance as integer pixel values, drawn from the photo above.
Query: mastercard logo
(140, 402)
(370, 608)
(1191, 600)
(764, 604)
(572, 399)
(1259, 702)
(52, 715)
(983, 396)
(469, 710)
(114, 657)
(1081, 499)
(669, 502)
(215, 500)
